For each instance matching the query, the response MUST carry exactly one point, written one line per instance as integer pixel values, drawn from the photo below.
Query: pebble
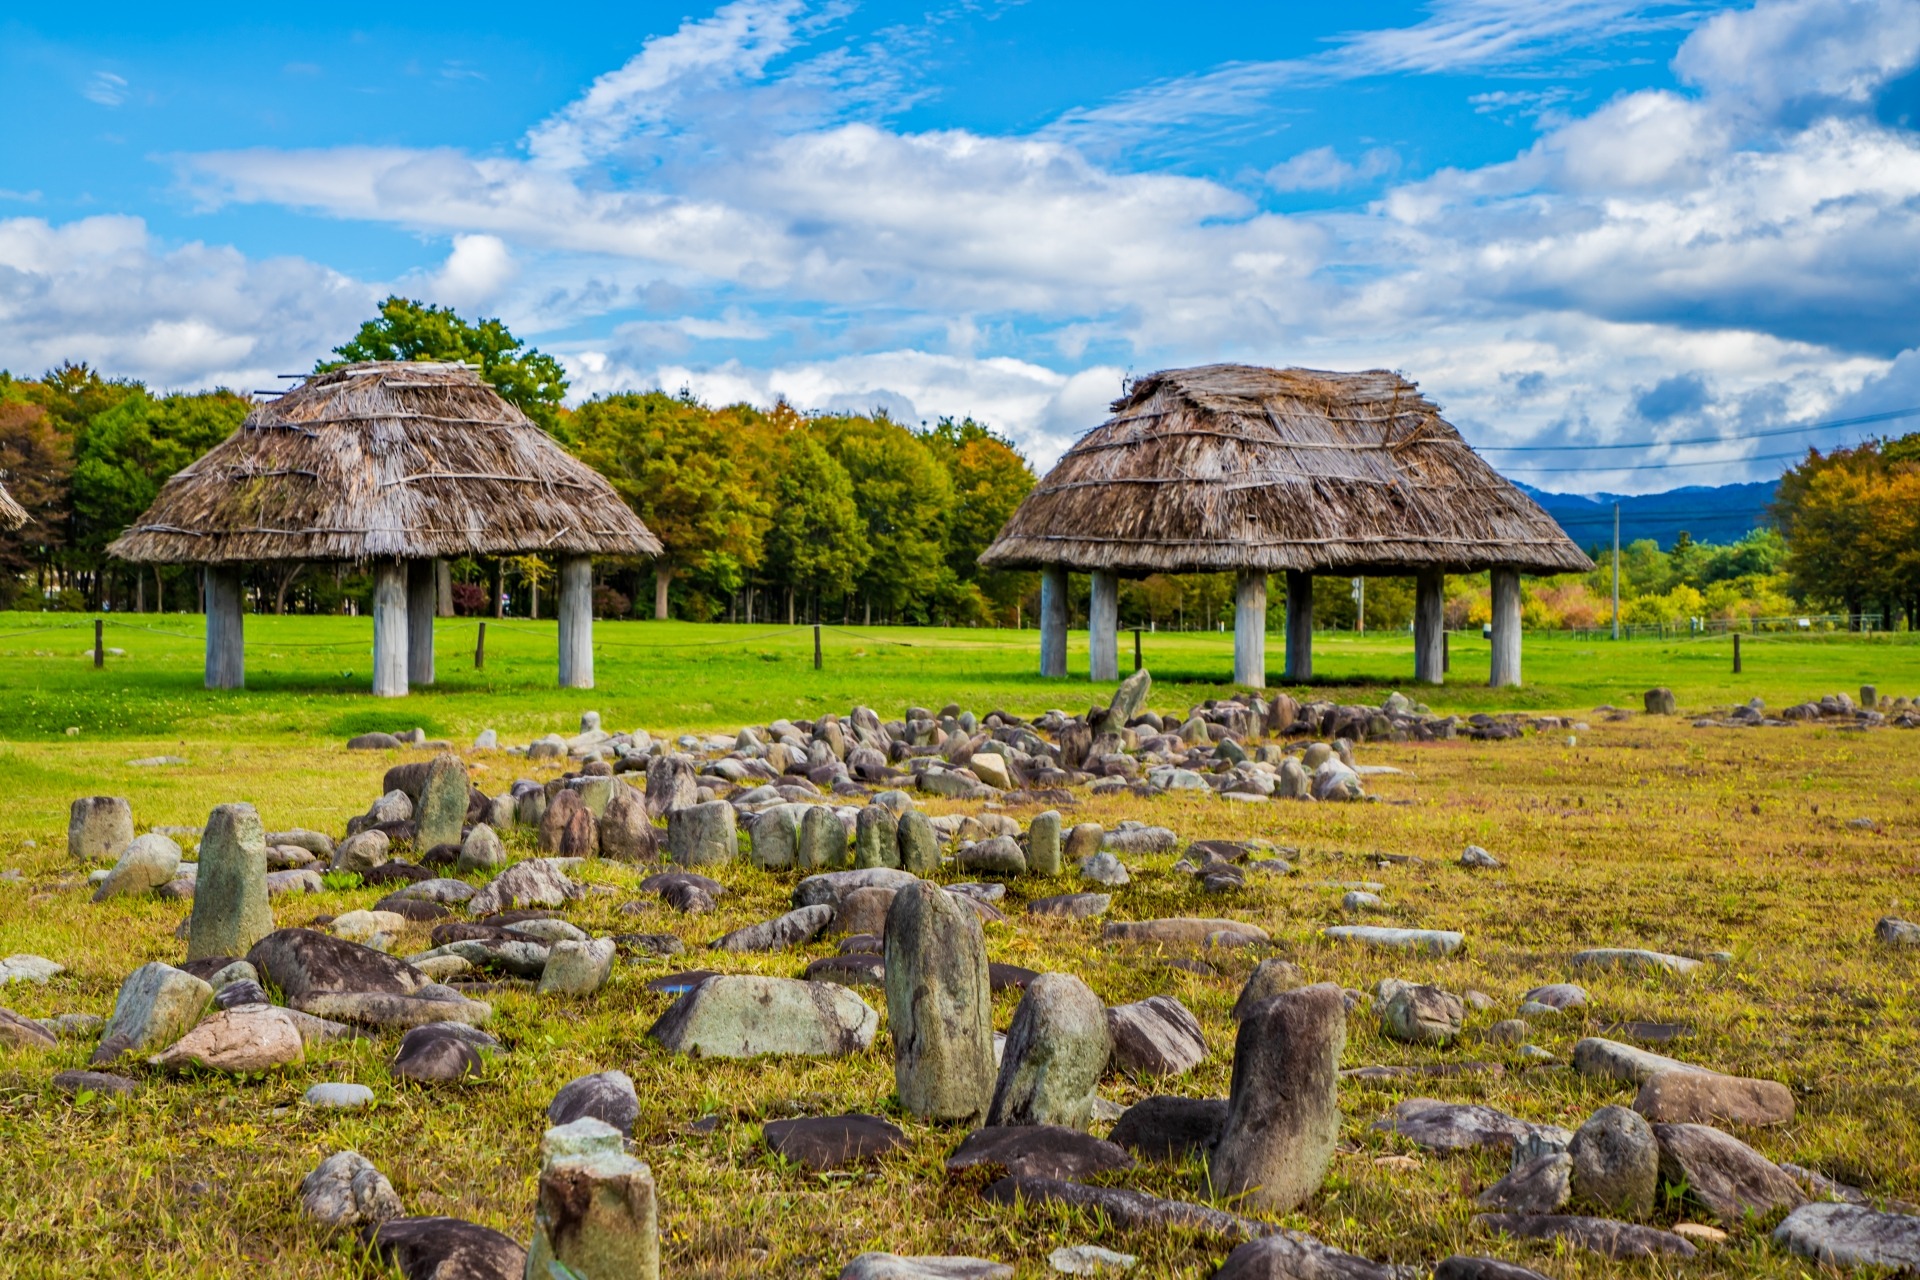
(1441, 942)
(1089, 1260)
(339, 1097)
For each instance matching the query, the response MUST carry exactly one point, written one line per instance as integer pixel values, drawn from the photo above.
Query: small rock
(737, 1016)
(1479, 859)
(1157, 1036)
(1541, 1185)
(893, 1266)
(339, 1097)
(577, 968)
(1699, 1097)
(1089, 1260)
(1421, 1014)
(447, 1249)
(1723, 1174)
(821, 1143)
(1169, 1128)
(1633, 959)
(252, 1037)
(606, 1096)
(346, 1190)
(1440, 942)
(1038, 1150)
(1616, 1162)
(1104, 868)
(1057, 1046)
(1618, 1240)
(1851, 1236)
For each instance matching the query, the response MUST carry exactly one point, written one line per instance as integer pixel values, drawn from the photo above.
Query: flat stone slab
(1647, 1032)
(1632, 960)
(857, 970)
(1384, 1074)
(1038, 1150)
(1072, 906)
(1190, 931)
(1288, 1255)
(893, 1266)
(739, 1016)
(1610, 1060)
(1438, 942)
(1851, 1235)
(1462, 1126)
(1127, 1209)
(100, 1082)
(830, 1142)
(1170, 1128)
(1617, 1240)
(1700, 1097)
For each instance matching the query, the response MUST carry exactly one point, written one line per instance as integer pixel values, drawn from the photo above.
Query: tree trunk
(159, 591)
(500, 588)
(789, 606)
(662, 578)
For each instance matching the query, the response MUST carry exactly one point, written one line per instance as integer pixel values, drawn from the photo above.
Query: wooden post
(1430, 626)
(390, 628)
(1446, 651)
(226, 639)
(816, 646)
(1736, 653)
(1136, 648)
(1103, 626)
(480, 649)
(1299, 626)
(1505, 665)
(1053, 620)
(99, 644)
(443, 589)
(423, 601)
(1250, 629)
(576, 623)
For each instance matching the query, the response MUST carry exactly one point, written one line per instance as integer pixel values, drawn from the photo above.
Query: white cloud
(101, 290)
(1792, 51)
(1322, 169)
(105, 88)
(475, 273)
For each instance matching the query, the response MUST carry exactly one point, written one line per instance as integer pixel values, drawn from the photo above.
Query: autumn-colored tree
(679, 466)
(990, 477)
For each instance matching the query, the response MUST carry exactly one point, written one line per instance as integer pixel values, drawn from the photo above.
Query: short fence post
(480, 649)
(1736, 653)
(99, 653)
(1136, 648)
(816, 646)
(1446, 655)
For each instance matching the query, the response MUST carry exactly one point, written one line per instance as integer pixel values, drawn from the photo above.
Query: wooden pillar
(1506, 628)
(423, 602)
(1053, 620)
(443, 585)
(1103, 627)
(1250, 629)
(1299, 626)
(1430, 627)
(226, 628)
(390, 628)
(576, 623)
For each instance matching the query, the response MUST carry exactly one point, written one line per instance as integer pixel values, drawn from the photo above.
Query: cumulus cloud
(1322, 169)
(102, 290)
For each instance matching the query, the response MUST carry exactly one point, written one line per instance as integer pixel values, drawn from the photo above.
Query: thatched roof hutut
(394, 460)
(1232, 467)
(12, 514)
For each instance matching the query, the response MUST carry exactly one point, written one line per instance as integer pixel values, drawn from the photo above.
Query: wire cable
(1835, 425)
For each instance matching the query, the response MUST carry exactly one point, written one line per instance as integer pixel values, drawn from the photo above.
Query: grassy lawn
(1642, 833)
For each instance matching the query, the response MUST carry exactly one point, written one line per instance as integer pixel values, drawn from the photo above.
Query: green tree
(125, 453)
(904, 495)
(678, 464)
(990, 477)
(409, 330)
(816, 544)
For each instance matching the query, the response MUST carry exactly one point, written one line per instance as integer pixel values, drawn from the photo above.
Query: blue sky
(1584, 222)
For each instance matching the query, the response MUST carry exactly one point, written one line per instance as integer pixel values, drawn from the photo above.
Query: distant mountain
(1718, 513)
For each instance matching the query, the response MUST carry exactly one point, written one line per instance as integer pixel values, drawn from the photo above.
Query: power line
(1838, 423)
(1655, 466)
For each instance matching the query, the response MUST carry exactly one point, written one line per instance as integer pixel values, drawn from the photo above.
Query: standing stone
(1283, 1111)
(876, 838)
(1129, 700)
(157, 1005)
(1269, 978)
(823, 840)
(919, 843)
(670, 784)
(1083, 842)
(567, 828)
(230, 911)
(442, 807)
(577, 968)
(99, 827)
(773, 839)
(627, 834)
(1661, 702)
(480, 851)
(596, 1217)
(702, 835)
(938, 1005)
(1057, 1046)
(1616, 1162)
(1043, 840)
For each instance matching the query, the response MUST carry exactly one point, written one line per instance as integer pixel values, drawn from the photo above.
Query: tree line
(773, 515)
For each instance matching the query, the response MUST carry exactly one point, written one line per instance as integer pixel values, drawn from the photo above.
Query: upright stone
(703, 835)
(1616, 1162)
(1043, 839)
(596, 1216)
(938, 1005)
(670, 784)
(567, 827)
(773, 838)
(1130, 699)
(876, 838)
(919, 843)
(99, 827)
(1057, 1046)
(230, 911)
(1283, 1112)
(823, 840)
(157, 1005)
(626, 833)
(442, 809)
(1660, 702)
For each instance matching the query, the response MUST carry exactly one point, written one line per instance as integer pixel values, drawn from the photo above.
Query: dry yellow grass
(1647, 833)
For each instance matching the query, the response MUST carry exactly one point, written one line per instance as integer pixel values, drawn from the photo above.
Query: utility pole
(1616, 571)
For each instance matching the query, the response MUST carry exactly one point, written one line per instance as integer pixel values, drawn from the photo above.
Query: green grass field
(1642, 833)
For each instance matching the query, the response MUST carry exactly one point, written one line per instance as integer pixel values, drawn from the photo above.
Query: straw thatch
(385, 460)
(12, 514)
(1228, 467)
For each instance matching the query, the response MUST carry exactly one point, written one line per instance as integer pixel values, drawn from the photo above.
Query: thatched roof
(1234, 467)
(384, 460)
(12, 514)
